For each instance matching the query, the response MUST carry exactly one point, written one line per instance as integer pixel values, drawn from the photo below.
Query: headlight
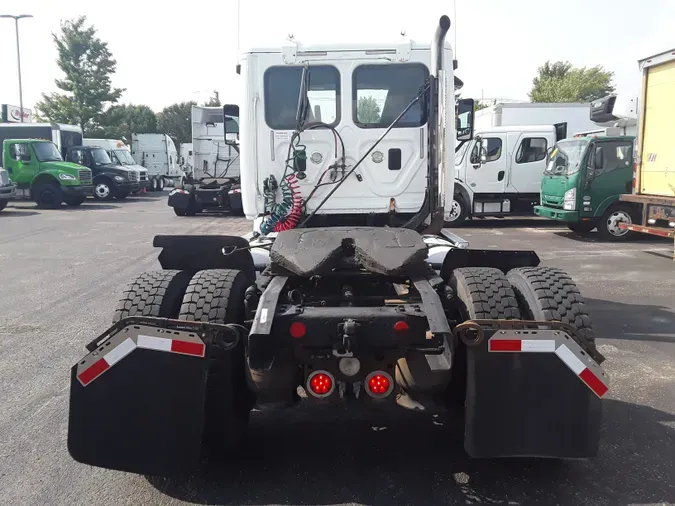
(67, 177)
(120, 178)
(570, 200)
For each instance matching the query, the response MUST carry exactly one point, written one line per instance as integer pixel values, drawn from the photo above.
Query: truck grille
(144, 176)
(551, 201)
(4, 178)
(85, 177)
(133, 176)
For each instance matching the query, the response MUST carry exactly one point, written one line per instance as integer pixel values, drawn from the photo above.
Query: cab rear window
(282, 90)
(382, 92)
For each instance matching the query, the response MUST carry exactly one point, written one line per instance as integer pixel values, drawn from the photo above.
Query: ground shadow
(312, 456)
(17, 211)
(632, 321)
(148, 197)
(88, 206)
(533, 222)
(594, 237)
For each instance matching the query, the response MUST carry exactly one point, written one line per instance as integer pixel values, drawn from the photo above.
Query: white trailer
(213, 157)
(576, 115)
(157, 153)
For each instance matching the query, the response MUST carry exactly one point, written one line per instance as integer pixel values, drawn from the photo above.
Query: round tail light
(320, 384)
(379, 384)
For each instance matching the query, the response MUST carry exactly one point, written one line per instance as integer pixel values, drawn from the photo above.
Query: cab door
(529, 162)
(486, 172)
(603, 185)
(24, 167)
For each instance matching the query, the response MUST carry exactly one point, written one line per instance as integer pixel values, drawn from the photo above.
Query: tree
(561, 82)
(478, 105)
(175, 120)
(88, 66)
(367, 110)
(120, 121)
(213, 101)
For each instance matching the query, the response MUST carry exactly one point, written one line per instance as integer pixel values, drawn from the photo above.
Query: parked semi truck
(186, 160)
(120, 154)
(7, 189)
(214, 184)
(349, 290)
(111, 181)
(40, 173)
(157, 153)
(586, 174)
(498, 173)
(653, 192)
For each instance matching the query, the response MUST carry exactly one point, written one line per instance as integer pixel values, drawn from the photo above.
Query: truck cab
(110, 180)
(120, 154)
(498, 173)
(584, 177)
(39, 171)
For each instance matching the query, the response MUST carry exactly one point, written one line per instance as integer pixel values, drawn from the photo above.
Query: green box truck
(584, 177)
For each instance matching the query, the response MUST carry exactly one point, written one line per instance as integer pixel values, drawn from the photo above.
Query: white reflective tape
(570, 360)
(263, 315)
(154, 343)
(538, 345)
(120, 351)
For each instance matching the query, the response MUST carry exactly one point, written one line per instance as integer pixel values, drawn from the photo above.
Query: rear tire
(48, 195)
(217, 296)
(549, 294)
(582, 227)
(608, 224)
(154, 293)
(160, 184)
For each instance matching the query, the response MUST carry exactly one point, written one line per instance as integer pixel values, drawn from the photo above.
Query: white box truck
(157, 153)
(576, 115)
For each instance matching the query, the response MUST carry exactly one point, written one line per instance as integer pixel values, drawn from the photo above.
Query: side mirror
(464, 113)
(232, 111)
(599, 161)
(483, 155)
(548, 153)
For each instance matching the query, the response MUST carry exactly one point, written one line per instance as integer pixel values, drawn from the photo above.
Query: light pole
(18, 53)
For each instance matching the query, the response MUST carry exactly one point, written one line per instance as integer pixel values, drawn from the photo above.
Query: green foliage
(367, 110)
(175, 121)
(477, 105)
(561, 82)
(213, 101)
(88, 66)
(120, 121)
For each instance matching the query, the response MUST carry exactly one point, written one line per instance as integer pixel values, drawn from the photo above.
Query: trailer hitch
(206, 330)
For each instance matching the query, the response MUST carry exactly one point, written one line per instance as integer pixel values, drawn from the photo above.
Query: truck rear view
(654, 178)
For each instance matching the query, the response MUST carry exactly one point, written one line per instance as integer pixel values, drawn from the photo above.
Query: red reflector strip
(593, 382)
(93, 371)
(504, 345)
(187, 348)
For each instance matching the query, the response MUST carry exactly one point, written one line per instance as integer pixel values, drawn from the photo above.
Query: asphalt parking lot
(62, 271)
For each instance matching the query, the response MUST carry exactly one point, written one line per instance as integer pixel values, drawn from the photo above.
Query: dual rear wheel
(215, 296)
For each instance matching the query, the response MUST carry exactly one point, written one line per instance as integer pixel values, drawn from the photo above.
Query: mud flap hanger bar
(235, 332)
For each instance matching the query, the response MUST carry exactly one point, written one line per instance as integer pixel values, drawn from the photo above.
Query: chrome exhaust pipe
(436, 129)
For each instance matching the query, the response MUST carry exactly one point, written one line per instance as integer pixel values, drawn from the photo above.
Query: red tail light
(379, 384)
(401, 326)
(320, 384)
(297, 330)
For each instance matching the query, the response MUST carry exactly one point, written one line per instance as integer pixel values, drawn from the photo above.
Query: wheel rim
(47, 197)
(161, 184)
(455, 210)
(613, 221)
(102, 190)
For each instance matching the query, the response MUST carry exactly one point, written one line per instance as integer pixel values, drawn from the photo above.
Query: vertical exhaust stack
(436, 129)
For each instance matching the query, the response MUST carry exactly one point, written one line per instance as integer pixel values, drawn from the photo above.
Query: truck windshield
(124, 157)
(47, 152)
(100, 156)
(566, 157)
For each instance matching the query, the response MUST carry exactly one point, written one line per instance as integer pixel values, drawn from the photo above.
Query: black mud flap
(137, 402)
(179, 199)
(532, 393)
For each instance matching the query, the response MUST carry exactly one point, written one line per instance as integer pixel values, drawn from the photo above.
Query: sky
(170, 54)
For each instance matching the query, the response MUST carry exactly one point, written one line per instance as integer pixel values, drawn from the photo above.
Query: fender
(201, 252)
(48, 176)
(606, 204)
